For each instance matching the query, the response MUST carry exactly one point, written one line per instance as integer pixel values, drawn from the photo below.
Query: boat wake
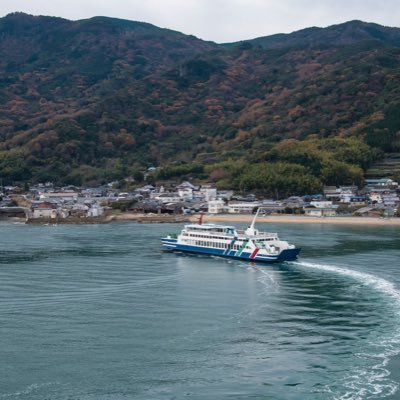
(62, 295)
(29, 391)
(374, 381)
(267, 278)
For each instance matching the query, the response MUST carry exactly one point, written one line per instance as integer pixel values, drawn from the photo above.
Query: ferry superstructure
(227, 241)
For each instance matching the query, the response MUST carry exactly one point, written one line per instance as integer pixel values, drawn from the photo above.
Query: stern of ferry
(288, 254)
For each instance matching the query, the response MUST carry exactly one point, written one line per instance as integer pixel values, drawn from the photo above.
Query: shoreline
(211, 218)
(300, 219)
(105, 219)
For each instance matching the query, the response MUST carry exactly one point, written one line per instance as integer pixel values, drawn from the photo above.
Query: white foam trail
(28, 390)
(371, 280)
(372, 382)
(267, 279)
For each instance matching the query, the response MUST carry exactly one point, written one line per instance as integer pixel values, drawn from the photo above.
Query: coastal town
(200, 200)
(44, 203)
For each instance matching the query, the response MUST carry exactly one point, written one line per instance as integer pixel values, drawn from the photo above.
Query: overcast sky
(220, 20)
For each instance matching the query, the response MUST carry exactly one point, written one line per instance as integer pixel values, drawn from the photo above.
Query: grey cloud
(220, 20)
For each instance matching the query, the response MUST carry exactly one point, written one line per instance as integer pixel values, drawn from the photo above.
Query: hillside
(103, 98)
(343, 34)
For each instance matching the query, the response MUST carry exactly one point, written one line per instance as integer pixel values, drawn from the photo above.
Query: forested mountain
(104, 98)
(344, 34)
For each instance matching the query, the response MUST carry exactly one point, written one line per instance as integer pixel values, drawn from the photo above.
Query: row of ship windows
(215, 244)
(202, 236)
(218, 237)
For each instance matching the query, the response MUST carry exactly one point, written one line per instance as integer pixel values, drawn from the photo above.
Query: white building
(185, 191)
(209, 192)
(95, 210)
(44, 213)
(321, 203)
(332, 192)
(390, 199)
(216, 206)
(320, 208)
(47, 210)
(167, 197)
(375, 197)
(186, 194)
(67, 196)
(319, 212)
(242, 208)
(342, 193)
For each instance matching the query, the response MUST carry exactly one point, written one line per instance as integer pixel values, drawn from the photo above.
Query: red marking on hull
(254, 253)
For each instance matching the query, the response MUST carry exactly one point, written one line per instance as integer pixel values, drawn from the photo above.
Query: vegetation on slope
(101, 99)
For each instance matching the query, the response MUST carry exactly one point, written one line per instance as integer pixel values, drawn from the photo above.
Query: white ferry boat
(227, 241)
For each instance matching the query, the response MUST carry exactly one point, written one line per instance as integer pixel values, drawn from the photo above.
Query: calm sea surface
(100, 312)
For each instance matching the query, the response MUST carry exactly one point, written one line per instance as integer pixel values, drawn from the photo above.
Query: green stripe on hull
(240, 251)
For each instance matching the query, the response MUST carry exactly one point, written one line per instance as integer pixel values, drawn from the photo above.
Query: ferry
(227, 241)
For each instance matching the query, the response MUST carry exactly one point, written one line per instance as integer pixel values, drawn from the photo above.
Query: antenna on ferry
(200, 219)
(250, 230)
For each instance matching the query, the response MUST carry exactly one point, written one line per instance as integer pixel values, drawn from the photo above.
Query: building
(320, 208)
(185, 191)
(293, 202)
(332, 192)
(321, 204)
(209, 192)
(270, 206)
(242, 207)
(342, 193)
(390, 198)
(172, 197)
(216, 206)
(95, 210)
(358, 200)
(380, 185)
(65, 196)
(375, 198)
(312, 211)
(44, 209)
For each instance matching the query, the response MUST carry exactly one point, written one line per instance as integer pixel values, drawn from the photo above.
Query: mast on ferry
(250, 230)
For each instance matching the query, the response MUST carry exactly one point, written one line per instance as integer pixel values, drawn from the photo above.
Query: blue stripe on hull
(285, 255)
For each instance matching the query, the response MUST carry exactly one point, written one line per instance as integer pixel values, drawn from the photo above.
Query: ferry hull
(285, 255)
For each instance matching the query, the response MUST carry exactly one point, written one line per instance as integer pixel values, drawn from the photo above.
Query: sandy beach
(300, 219)
(230, 218)
(211, 218)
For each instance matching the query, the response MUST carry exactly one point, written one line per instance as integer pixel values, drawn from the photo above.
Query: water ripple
(367, 383)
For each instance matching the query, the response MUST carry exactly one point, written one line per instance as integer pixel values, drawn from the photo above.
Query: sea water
(100, 312)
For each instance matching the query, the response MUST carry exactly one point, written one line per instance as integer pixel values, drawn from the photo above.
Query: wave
(361, 382)
(28, 391)
(83, 295)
